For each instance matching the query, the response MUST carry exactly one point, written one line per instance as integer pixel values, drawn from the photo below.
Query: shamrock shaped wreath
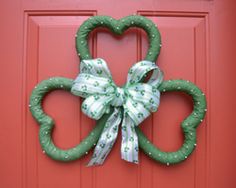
(111, 105)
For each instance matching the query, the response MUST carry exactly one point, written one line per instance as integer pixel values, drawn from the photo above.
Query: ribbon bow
(132, 103)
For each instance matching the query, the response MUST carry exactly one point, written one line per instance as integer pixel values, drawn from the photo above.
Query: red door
(37, 41)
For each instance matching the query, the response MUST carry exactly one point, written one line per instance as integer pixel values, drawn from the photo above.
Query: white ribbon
(132, 103)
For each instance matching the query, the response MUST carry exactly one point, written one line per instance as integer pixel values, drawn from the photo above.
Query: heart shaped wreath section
(46, 122)
(118, 27)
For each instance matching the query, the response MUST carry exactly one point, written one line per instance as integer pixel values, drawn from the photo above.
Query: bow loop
(139, 70)
(96, 67)
(145, 94)
(137, 99)
(86, 85)
(95, 106)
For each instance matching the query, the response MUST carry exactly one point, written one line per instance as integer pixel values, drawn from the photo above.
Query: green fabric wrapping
(46, 123)
(118, 27)
(189, 125)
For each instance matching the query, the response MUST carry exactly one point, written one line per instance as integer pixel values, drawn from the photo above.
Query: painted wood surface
(38, 41)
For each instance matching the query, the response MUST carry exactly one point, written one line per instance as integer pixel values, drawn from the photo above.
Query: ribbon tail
(107, 138)
(129, 145)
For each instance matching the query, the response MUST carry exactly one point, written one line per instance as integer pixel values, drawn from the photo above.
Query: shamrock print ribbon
(132, 103)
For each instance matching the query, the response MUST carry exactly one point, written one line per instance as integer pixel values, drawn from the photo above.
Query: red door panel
(38, 42)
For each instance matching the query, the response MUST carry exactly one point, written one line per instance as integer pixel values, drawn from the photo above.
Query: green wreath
(189, 125)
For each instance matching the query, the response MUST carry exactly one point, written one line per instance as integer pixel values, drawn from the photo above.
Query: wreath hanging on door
(111, 105)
